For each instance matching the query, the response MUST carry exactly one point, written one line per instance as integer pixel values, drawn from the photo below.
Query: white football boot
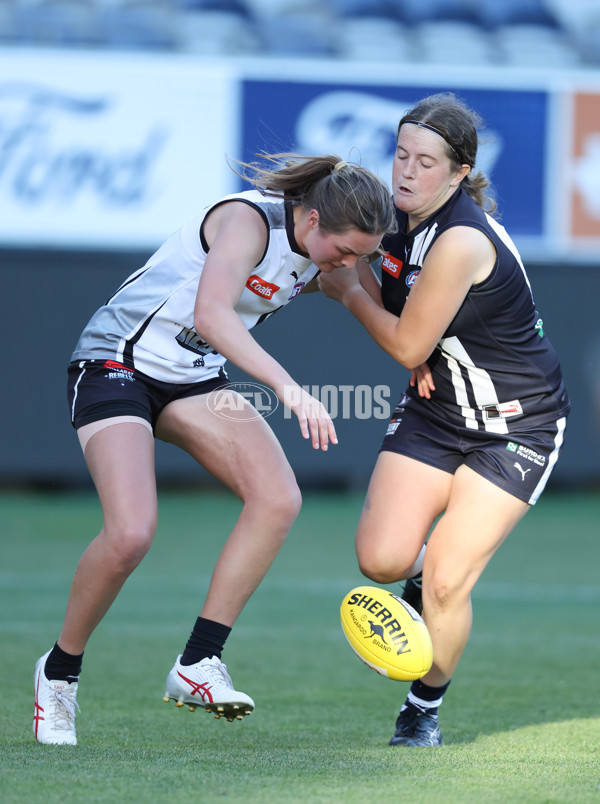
(55, 704)
(207, 684)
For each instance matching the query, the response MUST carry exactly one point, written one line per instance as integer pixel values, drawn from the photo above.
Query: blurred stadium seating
(540, 33)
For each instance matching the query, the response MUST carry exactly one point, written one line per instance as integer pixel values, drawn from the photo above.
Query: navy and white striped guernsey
(148, 323)
(494, 369)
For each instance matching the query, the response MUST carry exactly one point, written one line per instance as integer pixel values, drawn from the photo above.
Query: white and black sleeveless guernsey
(148, 324)
(495, 369)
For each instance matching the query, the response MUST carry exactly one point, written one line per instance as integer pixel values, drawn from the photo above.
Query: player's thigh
(404, 498)
(120, 458)
(239, 449)
(478, 518)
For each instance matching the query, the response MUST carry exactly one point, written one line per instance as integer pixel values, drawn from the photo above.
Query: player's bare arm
(460, 258)
(237, 242)
(369, 281)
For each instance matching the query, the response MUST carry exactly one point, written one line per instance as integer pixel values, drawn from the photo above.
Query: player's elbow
(407, 346)
(411, 358)
(206, 320)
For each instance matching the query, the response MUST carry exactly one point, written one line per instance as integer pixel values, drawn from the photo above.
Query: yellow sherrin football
(386, 633)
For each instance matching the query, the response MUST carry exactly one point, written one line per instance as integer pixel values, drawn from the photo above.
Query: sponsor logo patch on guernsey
(503, 410)
(112, 364)
(392, 265)
(296, 290)
(261, 287)
(411, 278)
(117, 371)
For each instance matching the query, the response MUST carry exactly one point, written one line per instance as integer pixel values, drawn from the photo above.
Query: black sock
(61, 666)
(206, 640)
(424, 697)
(417, 579)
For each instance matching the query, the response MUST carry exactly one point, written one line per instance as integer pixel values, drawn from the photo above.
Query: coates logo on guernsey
(392, 265)
(261, 287)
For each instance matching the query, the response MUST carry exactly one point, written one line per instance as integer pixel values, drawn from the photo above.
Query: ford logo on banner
(108, 151)
(364, 127)
(41, 161)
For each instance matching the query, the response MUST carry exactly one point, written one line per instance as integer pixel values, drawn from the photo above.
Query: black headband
(440, 134)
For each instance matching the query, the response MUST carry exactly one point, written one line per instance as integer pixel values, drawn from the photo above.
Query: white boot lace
(64, 704)
(217, 672)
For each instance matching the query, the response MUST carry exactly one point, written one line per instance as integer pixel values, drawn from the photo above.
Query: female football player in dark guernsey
(474, 438)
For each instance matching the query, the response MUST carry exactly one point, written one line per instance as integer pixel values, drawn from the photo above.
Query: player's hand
(315, 422)
(422, 379)
(339, 284)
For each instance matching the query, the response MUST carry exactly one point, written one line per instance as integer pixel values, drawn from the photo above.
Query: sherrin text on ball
(386, 633)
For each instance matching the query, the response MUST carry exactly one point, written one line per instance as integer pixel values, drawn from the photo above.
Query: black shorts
(101, 389)
(519, 463)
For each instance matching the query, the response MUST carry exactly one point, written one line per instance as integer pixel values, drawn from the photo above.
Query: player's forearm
(370, 283)
(226, 333)
(386, 329)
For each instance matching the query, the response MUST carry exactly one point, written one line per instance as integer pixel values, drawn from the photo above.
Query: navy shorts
(101, 389)
(519, 463)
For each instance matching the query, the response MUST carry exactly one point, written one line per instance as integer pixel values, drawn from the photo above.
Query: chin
(404, 202)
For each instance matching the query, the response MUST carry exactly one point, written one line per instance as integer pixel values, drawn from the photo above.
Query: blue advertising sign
(359, 122)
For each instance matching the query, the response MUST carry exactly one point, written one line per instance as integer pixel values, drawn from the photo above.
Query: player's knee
(380, 573)
(378, 564)
(437, 596)
(444, 590)
(378, 567)
(285, 504)
(377, 574)
(279, 504)
(129, 546)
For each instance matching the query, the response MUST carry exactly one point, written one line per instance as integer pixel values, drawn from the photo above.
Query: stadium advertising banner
(111, 152)
(540, 146)
(116, 150)
(585, 164)
(360, 123)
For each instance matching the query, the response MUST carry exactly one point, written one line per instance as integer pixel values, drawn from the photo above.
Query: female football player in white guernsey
(475, 436)
(150, 364)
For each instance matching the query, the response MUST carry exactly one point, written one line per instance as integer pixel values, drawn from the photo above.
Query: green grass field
(521, 721)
